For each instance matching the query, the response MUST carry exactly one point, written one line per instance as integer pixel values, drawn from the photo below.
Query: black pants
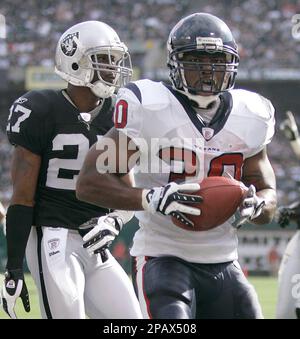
(175, 289)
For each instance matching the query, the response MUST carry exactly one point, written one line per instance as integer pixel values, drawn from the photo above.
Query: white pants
(289, 280)
(71, 284)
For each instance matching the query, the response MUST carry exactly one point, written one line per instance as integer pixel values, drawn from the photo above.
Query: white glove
(249, 209)
(14, 287)
(168, 200)
(104, 231)
(289, 127)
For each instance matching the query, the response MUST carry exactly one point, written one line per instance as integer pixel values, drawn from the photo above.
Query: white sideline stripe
(140, 263)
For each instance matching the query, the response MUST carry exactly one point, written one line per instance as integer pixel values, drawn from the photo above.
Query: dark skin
(258, 171)
(192, 77)
(108, 190)
(90, 181)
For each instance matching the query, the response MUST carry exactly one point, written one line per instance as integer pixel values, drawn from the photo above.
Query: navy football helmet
(202, 34)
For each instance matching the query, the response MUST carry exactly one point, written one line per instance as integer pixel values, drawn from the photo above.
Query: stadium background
(269, 65)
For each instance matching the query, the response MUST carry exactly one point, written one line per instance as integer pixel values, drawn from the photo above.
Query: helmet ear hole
(75, 66)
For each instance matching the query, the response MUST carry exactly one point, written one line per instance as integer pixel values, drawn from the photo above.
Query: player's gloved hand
(14, 287)
(171, 200)
(249, 209)
(283, 216)
(289, 127)
(104, 231)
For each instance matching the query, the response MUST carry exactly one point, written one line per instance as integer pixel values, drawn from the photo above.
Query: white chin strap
(101, 90)
(98, 88)
(202, 101)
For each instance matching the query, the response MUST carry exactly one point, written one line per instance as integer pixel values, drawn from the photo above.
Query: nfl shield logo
(207, 133)
(53, 244)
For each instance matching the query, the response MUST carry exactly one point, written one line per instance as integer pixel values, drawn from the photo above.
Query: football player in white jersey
(197, 127)
(52, 130)
(288, 303)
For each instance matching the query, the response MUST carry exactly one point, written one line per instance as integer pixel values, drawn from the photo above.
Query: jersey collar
(209, 130)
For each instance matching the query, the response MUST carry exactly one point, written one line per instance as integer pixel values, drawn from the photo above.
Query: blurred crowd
(283, 161)
(261, 28)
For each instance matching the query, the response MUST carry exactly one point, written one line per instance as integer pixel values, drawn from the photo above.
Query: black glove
(283, 216)
(14, 287)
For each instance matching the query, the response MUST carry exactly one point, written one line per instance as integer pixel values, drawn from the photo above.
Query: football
(221, 197)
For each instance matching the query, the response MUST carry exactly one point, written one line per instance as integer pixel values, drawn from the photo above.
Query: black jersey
(47, 124)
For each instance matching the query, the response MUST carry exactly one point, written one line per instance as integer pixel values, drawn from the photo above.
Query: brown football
(221, 197)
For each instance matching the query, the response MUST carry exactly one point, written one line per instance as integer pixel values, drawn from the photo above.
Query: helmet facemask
(212, 77)
(109, 68)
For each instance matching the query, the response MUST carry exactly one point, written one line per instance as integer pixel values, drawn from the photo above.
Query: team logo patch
(53, 244)
(68, 45)
(207, 133)
(11, 284)
(21, 100)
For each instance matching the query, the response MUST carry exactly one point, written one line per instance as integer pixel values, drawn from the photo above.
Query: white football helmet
(90, 54)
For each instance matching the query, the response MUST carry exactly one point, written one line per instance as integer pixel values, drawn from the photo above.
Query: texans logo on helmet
(68, 45)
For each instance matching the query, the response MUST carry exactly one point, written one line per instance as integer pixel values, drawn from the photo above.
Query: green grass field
(266, 288)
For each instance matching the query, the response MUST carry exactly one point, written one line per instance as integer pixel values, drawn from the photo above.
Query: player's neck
(83, 98)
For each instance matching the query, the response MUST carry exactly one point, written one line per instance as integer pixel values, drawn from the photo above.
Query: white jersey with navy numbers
(177, 145)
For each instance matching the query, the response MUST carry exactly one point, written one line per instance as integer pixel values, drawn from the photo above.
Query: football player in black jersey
(288, 303)
(52, 131)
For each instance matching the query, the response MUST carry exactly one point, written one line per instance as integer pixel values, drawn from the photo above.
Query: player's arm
(112, 188)
(107, 227)
(109, 186)
(24, 172)
(290, 130)
(102, 185)
(257, 171)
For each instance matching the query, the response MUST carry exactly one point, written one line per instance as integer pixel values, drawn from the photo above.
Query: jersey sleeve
(128, 113)
(253, 121)
(265, 125)
(28, 122)
(270, 121)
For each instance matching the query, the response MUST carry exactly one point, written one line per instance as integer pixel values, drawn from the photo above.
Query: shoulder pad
(251, 103)
(150, 94)
(252, 119)
(39, 102)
